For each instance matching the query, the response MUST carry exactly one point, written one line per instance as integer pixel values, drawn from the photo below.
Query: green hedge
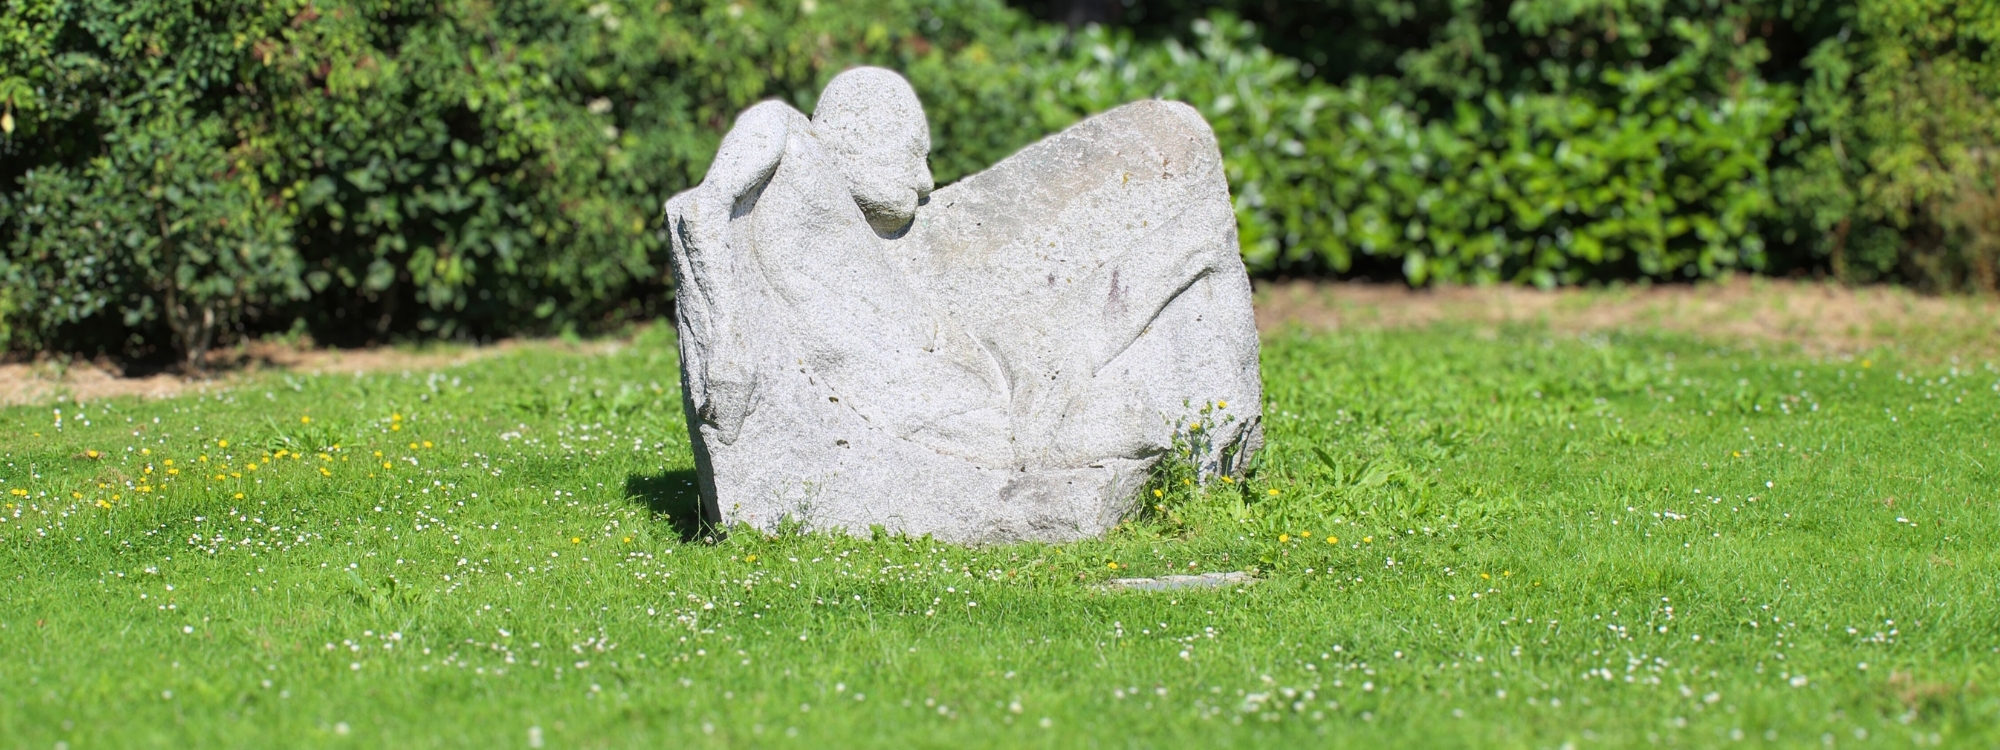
(1896, 173)
(1873, 125)
(178, 171)
(1667, 178)
(179, 174)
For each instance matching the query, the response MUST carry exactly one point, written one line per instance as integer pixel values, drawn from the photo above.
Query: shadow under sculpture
(1003, 359)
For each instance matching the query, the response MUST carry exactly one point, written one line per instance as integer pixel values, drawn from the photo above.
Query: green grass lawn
(1460, 539)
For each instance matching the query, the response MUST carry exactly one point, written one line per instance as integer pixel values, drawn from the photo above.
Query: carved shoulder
(752, 149)
(748, 156)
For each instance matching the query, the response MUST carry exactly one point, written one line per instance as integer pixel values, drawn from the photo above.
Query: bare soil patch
(52, 380)
(1821, 319)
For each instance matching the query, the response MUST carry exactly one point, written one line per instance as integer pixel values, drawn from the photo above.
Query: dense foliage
(177, 170)
(1603, 139)
(176, 173)
(1896, 175)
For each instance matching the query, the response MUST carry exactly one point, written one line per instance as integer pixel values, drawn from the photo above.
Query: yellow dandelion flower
(413, 446)
(222, 443)
(173, 472)
(378, 454)
(1330, 539)
(1486, 576)
(1227, 480)
(1157, 493)
(1283, 538)
(575, 540)
(168, 462)
(145, 451)
(323, 472)
(1274, 493)
(102, 504)
(385, 464)
(1113, 566)
(305, 420)
(93, 454)
(1222, 404)
(1367, 540)
(76, 495)
(427, 444)
(750, 558)
(628, 540)
(395, 417)
(239, 496)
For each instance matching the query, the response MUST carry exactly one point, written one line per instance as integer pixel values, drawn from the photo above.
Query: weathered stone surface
(1180, 583)
(1002, 359)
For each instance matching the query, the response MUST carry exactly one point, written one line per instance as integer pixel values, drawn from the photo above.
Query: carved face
(869, 119)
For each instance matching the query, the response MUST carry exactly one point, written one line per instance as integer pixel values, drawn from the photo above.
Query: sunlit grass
(1528, 540)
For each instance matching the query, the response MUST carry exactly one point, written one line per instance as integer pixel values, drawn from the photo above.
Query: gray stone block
(1006, 358)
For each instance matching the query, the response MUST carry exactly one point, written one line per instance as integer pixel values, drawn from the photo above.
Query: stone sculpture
(1006, 358)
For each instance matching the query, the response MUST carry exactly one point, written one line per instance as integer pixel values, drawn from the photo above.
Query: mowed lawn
(1460, 538)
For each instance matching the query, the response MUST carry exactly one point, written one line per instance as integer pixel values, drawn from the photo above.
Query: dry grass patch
(1820, 319)
(51, 379)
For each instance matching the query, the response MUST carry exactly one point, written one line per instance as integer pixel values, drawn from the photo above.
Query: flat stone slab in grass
(1178, 583)
(1006, 358)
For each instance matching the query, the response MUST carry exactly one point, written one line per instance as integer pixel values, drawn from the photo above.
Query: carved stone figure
(1006, 358)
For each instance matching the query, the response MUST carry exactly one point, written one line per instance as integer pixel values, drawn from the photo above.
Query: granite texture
(1006, 358)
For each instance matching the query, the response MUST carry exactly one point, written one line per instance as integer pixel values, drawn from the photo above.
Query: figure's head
(872, 123)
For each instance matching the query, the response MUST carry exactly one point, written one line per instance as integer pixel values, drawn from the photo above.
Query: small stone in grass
(1175, 583)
